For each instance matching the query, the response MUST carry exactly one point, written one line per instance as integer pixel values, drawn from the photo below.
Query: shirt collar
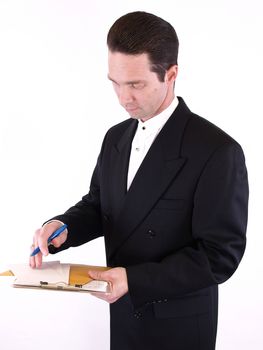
(155, 124)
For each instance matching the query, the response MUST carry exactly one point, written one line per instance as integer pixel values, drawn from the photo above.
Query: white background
(55, 107)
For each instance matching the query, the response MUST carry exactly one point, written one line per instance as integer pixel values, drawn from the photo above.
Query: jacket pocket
(183, 307)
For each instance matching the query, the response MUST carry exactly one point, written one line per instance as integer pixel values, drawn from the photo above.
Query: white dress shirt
(145, 134)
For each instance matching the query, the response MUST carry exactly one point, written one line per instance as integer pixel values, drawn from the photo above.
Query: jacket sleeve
(219, 222)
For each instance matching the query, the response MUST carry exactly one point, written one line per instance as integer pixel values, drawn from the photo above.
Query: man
(169, 193)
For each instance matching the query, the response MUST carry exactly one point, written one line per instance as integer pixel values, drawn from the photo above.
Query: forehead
(123, 67)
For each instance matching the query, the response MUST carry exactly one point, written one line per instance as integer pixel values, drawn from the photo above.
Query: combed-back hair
(141, 32)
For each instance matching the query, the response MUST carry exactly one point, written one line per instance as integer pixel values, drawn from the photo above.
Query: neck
(166, 103)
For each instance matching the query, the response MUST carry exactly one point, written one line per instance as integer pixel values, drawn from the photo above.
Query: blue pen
(54, 235)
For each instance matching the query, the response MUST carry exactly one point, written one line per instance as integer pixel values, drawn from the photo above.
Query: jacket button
(137, 315)
(151, 233)
(106, 218)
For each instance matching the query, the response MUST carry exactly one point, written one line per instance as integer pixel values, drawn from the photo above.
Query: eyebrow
(127, 82)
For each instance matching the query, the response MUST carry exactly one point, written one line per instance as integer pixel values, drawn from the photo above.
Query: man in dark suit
(169, 193)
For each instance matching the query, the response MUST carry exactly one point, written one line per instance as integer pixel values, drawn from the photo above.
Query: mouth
(131, 109)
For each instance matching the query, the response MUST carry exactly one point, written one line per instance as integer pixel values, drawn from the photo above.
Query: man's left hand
(117, 278)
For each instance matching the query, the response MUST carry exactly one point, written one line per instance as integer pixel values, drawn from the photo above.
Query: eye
(137, 86)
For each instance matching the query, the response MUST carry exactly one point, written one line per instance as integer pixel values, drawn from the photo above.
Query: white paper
(97, 286)
(51, 272)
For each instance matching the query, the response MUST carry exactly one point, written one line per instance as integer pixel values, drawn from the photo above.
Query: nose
(125, 95)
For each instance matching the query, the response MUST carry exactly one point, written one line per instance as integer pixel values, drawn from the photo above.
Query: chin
(134, 115)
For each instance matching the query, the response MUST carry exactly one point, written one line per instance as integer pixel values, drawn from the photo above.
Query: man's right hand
(40, 240)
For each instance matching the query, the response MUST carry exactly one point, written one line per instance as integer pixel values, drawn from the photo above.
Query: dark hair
(141, 32)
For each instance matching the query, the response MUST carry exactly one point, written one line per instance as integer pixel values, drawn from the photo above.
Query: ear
(171, 74)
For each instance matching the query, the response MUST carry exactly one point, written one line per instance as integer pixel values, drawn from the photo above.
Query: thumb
(97, 275)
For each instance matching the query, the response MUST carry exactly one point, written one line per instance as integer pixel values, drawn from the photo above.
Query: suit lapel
(120, 155)
(160, 166)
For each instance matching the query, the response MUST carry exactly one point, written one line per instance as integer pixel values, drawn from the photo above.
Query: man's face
(138, 89)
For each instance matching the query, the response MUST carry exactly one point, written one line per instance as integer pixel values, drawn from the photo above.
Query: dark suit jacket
(179, 230)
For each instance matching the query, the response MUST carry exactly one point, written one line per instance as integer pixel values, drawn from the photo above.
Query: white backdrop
(55, 107)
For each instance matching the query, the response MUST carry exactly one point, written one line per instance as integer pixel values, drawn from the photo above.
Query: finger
(42, 241)
(109, 298)
(99, 275)
(99, 296)
(38, 260)
(58, 241)
(38, 257)
(32, 262)
(46, 231)
(35, 261)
